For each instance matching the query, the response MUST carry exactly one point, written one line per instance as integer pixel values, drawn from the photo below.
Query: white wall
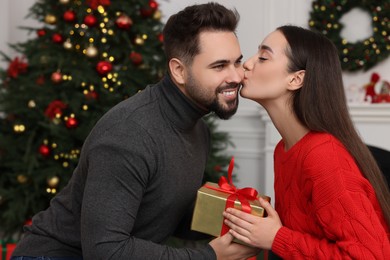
(258, 18)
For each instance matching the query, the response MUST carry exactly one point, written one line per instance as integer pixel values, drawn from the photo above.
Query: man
(142, 164)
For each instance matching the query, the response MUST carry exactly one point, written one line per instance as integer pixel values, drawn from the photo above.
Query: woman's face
(266, 77)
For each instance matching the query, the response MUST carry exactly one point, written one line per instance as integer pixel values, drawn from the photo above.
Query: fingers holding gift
(255, 231)
(240, 224)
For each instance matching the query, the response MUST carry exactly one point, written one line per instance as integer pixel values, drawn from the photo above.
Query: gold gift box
(207, 217)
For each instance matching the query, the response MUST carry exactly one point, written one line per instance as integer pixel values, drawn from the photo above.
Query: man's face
(214, 78)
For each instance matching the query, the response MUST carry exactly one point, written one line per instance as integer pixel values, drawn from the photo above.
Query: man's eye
(220, 66)
(262, 59)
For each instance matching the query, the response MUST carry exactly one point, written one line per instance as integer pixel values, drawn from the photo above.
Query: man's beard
(213, 105)
(224, 113)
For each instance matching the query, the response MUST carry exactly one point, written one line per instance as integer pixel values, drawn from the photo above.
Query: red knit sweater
(328, 209)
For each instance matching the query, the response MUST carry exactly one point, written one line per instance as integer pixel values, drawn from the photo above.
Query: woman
(331, 200)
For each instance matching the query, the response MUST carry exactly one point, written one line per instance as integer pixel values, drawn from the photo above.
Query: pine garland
(364, 54)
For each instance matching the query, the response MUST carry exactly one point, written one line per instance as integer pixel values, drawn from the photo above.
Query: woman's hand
(255, 231)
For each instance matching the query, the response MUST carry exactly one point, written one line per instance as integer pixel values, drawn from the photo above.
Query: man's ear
(296, 80)
(177, 69)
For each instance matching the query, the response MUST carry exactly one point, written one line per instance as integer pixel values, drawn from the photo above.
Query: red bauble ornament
(69, 16)
(55, 109)
(44, 150)
(28, 222)
(124, 22)
(150, 9)
(40, 80)
(103, 67)
(56, 77)
(90, 20)
(92, 95)
(136, 58)
(71, 122)
(57, 38)
(16, 67)
(153, 4)
(160, 37)
(41, 32)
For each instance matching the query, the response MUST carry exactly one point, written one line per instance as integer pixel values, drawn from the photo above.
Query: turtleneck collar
(178, 108)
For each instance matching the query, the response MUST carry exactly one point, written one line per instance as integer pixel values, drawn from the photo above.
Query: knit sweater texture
(137, 177)
(328, 209)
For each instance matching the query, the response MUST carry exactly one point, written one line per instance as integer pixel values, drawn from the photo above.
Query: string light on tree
(19, 128)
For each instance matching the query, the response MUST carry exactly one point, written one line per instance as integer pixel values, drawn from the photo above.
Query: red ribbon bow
(243, 195)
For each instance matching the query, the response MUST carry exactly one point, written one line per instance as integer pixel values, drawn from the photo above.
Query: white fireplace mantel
(372, 121)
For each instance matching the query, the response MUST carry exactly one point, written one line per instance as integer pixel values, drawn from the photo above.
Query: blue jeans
(45, 258)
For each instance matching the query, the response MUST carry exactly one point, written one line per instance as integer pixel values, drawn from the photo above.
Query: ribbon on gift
(243, 195)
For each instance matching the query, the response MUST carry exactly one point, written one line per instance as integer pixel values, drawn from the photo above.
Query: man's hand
(226, 249)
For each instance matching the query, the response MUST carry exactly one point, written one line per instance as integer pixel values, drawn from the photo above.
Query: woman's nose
(247, 65)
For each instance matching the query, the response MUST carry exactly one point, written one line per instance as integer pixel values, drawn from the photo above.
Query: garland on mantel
(364, 54)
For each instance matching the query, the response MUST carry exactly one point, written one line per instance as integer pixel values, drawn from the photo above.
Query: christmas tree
(87, 56)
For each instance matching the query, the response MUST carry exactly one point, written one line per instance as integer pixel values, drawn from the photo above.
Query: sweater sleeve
(344, 210)
(117, 178)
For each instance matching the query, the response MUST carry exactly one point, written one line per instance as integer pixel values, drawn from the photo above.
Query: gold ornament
(68, 45)
(139, 41)
(53, 181)
(56, 121)
(91, 51)
(31, 104)
(64, 2)
(44, 59)
(50, 19)
(157, 15)
(21, 178)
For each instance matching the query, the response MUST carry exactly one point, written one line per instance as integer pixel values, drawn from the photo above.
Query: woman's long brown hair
(321, 103)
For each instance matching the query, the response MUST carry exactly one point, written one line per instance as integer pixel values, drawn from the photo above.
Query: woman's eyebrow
(265, 47)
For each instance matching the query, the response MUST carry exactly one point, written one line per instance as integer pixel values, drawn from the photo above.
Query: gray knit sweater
(138, 175)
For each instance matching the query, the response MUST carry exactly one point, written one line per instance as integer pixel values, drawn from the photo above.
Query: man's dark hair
(181, 32)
